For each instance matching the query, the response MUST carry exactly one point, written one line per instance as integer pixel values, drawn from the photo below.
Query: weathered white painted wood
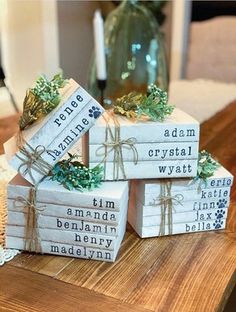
(221, 178)
(191, 195)
(109, 196)
(183, 217)
(148, 151)
(179, 127)
(69, 250)
(76, 213)
(38, 133)
(46, 222)
(61, 142)
(180, 228)
(67, 237)
(73, 237)
(186, 206)
(153, 169)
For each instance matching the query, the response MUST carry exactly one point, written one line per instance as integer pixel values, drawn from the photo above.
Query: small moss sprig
(42, 99)
(72, 174)
(153, 105)
(206, 166)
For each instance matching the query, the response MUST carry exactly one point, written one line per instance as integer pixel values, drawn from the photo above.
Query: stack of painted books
(148, 162)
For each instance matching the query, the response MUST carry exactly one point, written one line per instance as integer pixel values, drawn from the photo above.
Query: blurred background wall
(41, 36)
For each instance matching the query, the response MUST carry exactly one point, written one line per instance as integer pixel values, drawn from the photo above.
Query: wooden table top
(188, 272)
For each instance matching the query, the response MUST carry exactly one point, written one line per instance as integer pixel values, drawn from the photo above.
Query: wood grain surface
(188, 272)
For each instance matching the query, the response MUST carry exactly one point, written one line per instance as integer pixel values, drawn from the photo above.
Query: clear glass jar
(135, 52)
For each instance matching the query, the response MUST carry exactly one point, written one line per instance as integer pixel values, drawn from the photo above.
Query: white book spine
(112, 196)
(148, 151)
(190, 216)
(206, 194)
(61, 118)
(153, 169)
(68, 250)
(68, 237)
(221, 178)
(175, 129)
(46, 222)
(180, 228)
(64, 140)
(70, 212)
(186, 206)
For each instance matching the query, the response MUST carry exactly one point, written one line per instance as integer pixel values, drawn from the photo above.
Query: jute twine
(32, 160)
(113, 143)
(167, 202)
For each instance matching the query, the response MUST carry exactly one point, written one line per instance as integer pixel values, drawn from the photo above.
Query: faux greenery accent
(206, 165)
(153, 105)
(73, 174)
(41, 100)
(127, 104)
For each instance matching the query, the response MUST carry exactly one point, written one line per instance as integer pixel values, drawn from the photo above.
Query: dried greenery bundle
(127, 104)
(153, 105)
(206, 165)
(41, 100)
(73, 174)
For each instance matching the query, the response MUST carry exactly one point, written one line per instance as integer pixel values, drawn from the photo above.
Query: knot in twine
(22, 202)
(114, 143)
(176, 199)
(32, 239)
(167, 202)
(32, 159)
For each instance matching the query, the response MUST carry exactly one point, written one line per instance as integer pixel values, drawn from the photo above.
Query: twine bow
(114, 143)
(32, 239)
(32, 159)
(167, 202)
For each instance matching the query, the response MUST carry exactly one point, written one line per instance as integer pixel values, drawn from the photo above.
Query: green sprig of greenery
(42, 99)
(72, 174)
(48, 91)
(153, 105)
(206, 166)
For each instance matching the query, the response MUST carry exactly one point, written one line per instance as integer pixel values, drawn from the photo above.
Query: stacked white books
(50, 138)
(165, 207)
(144, 149)
(88, 225)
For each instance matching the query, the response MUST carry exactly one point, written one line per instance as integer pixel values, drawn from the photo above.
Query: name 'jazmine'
(68, 139)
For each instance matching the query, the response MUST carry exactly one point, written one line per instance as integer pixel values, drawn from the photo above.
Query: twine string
(167, 203)
(114, 144)
(32, 238)
(32, 159)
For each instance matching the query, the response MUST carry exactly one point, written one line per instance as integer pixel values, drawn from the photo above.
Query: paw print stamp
(220, 214)
(218, 224)
(94, 112)
(221, 203)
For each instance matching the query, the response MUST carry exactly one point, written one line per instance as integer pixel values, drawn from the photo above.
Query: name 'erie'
(68, 110)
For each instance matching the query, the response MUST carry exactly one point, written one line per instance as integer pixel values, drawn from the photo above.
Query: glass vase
(135, 53)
